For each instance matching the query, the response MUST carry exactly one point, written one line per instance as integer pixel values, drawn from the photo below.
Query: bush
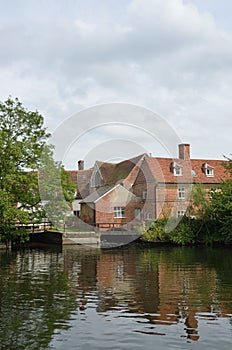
(156, 231)
(186, 232)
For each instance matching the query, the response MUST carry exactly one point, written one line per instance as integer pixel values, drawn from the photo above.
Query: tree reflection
(35, 299)
(41, 291)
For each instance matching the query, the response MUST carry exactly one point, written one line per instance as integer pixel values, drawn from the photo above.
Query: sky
(171, 57)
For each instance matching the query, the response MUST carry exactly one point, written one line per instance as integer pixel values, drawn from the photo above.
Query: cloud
(166, 55)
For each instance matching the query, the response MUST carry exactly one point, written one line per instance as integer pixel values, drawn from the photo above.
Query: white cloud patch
(166, 55)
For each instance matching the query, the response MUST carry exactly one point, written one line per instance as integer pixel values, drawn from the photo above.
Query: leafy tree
(56, 189)
(22, 139)
(199, 202)
(220, 211)
(22, 146)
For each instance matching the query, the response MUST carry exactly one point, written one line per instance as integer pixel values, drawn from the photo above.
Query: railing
(35, 227)
(114, 226)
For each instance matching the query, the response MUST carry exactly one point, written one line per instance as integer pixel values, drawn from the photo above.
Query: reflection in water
(81, 296)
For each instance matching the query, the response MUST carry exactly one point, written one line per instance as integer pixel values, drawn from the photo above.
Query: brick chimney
(184, 151)
(80, 165)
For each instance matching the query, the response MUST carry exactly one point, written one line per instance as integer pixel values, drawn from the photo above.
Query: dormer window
(177, 169)
(208, 170)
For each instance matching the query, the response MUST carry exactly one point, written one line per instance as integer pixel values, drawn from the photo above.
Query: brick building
(141, 188)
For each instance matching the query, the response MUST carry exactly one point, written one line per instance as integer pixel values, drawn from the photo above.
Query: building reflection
(151, 284)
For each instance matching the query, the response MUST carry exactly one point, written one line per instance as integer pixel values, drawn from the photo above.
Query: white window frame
(177, 169)
(181, 213)
(208, 170)
(181, 193)
(119, 212)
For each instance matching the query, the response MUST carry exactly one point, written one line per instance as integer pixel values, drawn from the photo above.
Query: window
(119, 212)
(148, 216)
(208, 170)
(181, 213)
(181, 192)
(144, 194)
(176, 169)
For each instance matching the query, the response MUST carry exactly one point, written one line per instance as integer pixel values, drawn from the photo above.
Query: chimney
(80, 165)
(184, 151)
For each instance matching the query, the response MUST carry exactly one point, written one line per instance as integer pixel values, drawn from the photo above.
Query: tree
(220, 212)
(220, 208)
(22, 144)
(199, 202)
(56, 189)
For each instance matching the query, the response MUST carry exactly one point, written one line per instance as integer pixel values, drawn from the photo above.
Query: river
(133, 297)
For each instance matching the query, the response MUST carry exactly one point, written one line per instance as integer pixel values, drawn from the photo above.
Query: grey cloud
(162, 54)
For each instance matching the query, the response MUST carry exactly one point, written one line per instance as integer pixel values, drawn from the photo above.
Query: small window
(177, 169)
(148, 216)
(181, 213)
(181, 192)
(144, 194)
(208, 170)
(119, 212)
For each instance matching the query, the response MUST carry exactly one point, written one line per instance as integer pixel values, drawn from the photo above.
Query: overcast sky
(173, 57)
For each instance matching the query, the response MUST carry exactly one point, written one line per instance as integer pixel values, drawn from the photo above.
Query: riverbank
(188, 231)
(96, 239)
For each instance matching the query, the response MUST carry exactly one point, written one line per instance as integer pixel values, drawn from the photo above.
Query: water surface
(133, 297)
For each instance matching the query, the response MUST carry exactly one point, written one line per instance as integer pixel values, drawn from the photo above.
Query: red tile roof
(123, 172)
(114, 173)
(161, 170)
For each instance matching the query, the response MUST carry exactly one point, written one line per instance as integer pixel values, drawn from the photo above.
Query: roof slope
(120, 171)
(93, 197)
(160, 169)
(121, 195)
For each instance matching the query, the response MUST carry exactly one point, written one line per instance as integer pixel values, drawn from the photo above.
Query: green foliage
(220, 210)
(208, 220)
(199, 201)
(156, 231)
(22, 144)
(183, 233)
(56, 189)
(22, 139)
